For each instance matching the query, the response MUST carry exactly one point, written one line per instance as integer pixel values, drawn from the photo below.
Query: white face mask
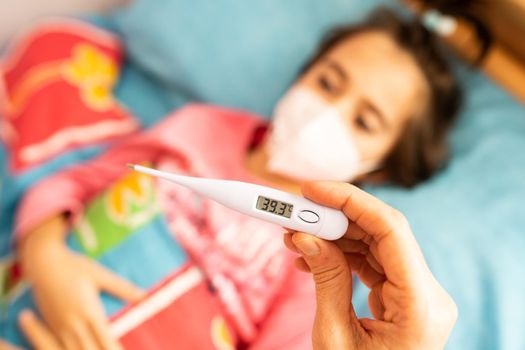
(310, 140)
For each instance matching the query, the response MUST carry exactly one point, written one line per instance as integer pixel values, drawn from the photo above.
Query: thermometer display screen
(274, 206)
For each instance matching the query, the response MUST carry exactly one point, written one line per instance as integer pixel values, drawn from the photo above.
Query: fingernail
(308, 247)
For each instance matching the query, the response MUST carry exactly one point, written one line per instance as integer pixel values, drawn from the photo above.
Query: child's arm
(67, 285)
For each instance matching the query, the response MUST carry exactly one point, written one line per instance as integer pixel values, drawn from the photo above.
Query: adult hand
(67, 286)
(410, 309)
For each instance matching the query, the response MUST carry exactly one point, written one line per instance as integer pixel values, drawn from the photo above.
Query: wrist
(43, 242)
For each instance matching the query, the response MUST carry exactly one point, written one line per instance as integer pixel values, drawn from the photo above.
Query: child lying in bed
(373, 105)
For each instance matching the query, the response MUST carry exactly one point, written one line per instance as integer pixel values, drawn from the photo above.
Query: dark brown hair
(422, 147)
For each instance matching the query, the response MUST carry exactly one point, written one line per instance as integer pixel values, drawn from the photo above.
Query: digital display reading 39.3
(275, 207)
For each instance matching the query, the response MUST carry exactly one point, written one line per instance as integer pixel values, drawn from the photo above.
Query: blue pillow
(235, 53)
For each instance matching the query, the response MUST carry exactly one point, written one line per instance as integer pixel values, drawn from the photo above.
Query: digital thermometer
(265, 203)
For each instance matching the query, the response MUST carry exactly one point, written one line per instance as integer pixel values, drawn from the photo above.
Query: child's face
(376, 87)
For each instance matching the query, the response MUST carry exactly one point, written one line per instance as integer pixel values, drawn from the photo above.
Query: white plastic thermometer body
(265, 203)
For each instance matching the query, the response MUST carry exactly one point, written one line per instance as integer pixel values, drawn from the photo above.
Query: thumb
(331, 273)
(117, 286)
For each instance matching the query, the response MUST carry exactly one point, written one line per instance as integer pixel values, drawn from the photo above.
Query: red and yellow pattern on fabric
(56, 87)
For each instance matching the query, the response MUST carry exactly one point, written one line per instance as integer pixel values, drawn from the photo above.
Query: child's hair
(422, 147)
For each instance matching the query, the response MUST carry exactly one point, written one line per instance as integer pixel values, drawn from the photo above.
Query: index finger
(397, 249)
(372, 215)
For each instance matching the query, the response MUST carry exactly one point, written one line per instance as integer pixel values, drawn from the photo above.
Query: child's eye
(325, 84)
(362, 124)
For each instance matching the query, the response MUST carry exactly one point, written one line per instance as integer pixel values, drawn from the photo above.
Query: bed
(488, 34)
(469, 219)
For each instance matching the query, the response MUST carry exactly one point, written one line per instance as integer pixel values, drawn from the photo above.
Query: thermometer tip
(131, 166)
